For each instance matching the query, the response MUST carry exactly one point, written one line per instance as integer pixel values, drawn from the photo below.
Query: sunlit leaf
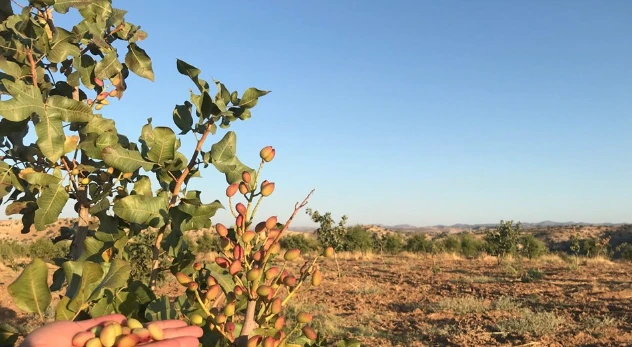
(139, 62)
(30, 290)
(50, 204)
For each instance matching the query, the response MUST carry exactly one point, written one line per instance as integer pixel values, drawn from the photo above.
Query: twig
(29, 54)
(68, 169)
(17, 4)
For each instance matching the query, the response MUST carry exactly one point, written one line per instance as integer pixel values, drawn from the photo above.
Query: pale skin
(59, 334)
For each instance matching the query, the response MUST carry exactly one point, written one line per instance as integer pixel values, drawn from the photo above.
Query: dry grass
(462, 305)
(597, 261)
(531, 323)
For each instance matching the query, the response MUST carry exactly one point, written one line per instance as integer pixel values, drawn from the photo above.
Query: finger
(177, 342)
(90, 323)
(169, 323)
(187, 331)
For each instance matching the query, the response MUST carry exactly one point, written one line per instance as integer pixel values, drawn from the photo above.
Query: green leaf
(224, 279)
(139, 62)
(92, 250)
(198, 217)
(51, 202)
(142, 186)
(125, 304)
(8, 335)
(141, 293)
(123, 159)
(106, 140)
(26, 100)
(10, 68)
(41, 179)
(251, 96)
(204, 105)
(62, 6)
(50, 136)
(160, 309)
(189, 70)
(115, 278)
(104, 306)
(68, 110)
(108, 66)
(182, 117)
(164, 146)
(99, 125)
(223, 158)
(30, 290)
(90, 278)
(62, 312)
(5, 173)
(141, 209)
(61, 48)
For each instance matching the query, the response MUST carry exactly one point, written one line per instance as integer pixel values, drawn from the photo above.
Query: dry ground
(406, 301)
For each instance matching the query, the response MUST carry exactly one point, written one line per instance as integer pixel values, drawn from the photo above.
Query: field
(413, 300)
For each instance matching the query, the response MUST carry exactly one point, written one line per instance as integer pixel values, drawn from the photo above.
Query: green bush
(451, 244)
(45, 248)
(305, 244)
(358, 239)
(532, 247)
(41, 248)
(502, 240)
(418, 243)
(626, 253)
(206, 243)
(470, 246)
(393, 243)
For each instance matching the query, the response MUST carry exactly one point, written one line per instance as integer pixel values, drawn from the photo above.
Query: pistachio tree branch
(172, 202)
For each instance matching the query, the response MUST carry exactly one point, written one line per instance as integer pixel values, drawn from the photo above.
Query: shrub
(206, 243)
(625, 251)
(45, 248)
(393, 243)
(451, 244)
(328, 233)
(503, 240)
(303, 243)
(532, 323)
(531, 275)
(532, 247)
(470, 246)
(358, 239)
(418, 243)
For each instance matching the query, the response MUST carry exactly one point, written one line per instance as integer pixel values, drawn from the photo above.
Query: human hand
(60, 334)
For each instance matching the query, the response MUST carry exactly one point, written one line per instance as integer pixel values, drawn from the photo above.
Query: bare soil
(408, 300)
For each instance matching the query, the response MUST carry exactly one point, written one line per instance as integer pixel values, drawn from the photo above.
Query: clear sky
(417, 112)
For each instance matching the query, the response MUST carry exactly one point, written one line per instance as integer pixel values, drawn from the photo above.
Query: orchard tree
(328, 233)
(58, 148)
(503, 240)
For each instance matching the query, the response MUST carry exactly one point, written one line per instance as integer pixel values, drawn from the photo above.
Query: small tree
(503, 240)
(532, 247)
(358, 239)
(418, 243)
(329, 234)
(393, 243)
(451, 244)
(471, 247)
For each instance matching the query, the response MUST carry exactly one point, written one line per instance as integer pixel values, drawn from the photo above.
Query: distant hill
(406, 227)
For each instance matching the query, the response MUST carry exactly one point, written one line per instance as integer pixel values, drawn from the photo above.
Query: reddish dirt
(404, 301)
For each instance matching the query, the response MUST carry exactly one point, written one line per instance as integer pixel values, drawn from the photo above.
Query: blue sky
(417, 112)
